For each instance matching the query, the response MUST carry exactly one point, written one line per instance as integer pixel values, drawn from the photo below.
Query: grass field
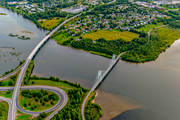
(111, 35)
(3, 110)
(148, 27)
(61, 85)
(23, 116)
(160, 40)
(7, 82)
(167, 34)
(61, 38)
(38, 104)
(49, 24)
(3, 14)
(6, 94)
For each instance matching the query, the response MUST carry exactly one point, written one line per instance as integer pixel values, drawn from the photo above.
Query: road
(98, 82)
(17, 87)
(26, 64)
(12, 73)
(9, 103)
(63, 99)
(108, 2)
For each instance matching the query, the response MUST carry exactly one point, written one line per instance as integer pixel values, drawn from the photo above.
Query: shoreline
(94, 52)
(176, 42)
(113, 105)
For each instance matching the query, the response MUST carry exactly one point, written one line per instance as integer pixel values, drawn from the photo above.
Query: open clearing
(49, 24)
(147, 28)
(3, 14)
(167, 34)
(111, 35)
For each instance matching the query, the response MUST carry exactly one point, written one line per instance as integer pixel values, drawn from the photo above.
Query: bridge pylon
(113, 59)
(99, 75)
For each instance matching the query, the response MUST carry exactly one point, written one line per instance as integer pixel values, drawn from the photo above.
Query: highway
(97, 83)
(63, 99)
(17, 87)
(12, 73)
(26, 64)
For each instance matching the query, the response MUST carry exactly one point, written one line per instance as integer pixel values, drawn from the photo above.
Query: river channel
(149, 91)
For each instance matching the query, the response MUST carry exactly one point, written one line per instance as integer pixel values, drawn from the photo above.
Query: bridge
(16, 90)
(100, 77)
(26, 64)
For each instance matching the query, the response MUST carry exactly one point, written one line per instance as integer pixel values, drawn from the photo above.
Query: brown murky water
(113, 105)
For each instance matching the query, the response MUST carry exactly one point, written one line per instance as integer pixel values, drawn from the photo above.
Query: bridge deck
(26, 64)
(98, 83)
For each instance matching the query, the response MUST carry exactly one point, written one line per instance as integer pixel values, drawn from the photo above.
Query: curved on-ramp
(12, 73)
(63, 99)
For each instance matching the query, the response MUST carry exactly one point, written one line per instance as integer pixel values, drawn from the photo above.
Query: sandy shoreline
(113, 105)
(176, 42)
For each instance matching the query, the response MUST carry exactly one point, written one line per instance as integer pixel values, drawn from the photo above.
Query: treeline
(173, 21)
(28, 73)
(175, 15)
(106, 1)
(101, 46)
(144, 53)
(150, 51)
(55, 79)
(10, 82)
(92, 111)
(171, 5)
(49, 13)
(10, 71)
(72, 111)
(175, 24)
(138, 50)
(107, 47)
(34, 17)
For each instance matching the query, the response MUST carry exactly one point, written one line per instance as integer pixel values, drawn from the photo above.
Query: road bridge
(101, 76)
(26, 64)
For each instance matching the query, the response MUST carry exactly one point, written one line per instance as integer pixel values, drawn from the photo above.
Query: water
(154, 86)
(69, 64)
(13, 50)
(147, 91)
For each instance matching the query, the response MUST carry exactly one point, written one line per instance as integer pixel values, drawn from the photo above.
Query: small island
(19, 37)
(3, 14)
